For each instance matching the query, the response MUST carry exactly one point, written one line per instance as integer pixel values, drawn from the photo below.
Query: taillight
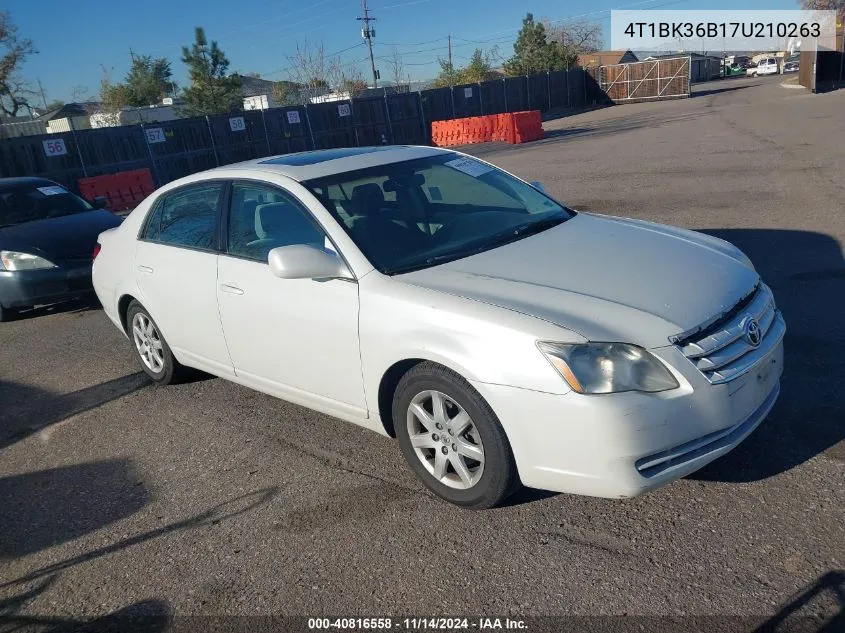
(97, 249)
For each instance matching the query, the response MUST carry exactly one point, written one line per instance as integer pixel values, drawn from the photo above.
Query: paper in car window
(54, 190)
(469, 166)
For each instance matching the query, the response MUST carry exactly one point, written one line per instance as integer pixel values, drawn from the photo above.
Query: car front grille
(725, 348)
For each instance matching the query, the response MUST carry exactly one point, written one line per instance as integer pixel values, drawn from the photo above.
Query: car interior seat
(283, 224)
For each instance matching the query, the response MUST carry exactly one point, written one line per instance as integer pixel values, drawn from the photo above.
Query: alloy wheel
(445, 440)
(148, 342)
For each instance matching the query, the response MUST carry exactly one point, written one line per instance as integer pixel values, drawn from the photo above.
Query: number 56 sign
(55, 147)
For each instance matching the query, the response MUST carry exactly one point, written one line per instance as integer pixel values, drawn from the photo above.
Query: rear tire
(459, 449)
(151, 348)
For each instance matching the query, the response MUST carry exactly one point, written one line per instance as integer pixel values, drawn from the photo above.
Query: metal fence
(177, 148)
(647, 81)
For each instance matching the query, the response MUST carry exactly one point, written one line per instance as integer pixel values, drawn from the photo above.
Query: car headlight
(12, 260)
(608, 367)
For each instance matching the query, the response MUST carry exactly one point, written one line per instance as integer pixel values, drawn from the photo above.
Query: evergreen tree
(147, 81)
(532, 52)
(212, 90)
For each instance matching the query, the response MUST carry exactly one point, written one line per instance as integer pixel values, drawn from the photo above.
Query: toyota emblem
(752, 332)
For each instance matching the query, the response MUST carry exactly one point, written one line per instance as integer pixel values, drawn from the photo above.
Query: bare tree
(308, 67)
(79, 94)
(574, 38)
(830, 5)
(346, 78)
(15, 92)
(397, 67)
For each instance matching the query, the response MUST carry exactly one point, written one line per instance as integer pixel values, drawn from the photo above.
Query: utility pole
(451, 68)
(368, 34)
(43, 97)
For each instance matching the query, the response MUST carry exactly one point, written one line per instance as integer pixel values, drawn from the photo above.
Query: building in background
(606, 58)
(16, 126)
(71, 116)
(168, 110)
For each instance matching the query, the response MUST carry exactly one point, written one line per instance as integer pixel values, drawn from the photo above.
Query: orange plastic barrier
(122, 190)
(510, 127)
(528, 126)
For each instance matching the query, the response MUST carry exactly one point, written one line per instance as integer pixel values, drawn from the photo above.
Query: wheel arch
(390, 380)
(123, 309)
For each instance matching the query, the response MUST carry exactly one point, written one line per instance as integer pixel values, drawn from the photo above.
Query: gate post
(527, 92)
(211, 136)
(266, 133)
(78, 151)
(310, 131)
(389, 123)
(152, 157)
(422, 115)
(505, 93)
(480, 100)
(549, 87)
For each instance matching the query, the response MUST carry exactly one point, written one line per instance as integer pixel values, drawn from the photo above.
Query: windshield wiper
(497, 239)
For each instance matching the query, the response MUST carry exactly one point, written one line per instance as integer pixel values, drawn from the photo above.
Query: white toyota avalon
(499, 336)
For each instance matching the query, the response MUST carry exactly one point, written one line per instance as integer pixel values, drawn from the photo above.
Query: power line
(439, 39)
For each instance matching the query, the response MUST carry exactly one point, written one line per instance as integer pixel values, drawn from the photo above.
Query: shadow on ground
(27, 409)
(148, 616)
(214, 515)
(794, 616)
(79, 305)
(806, 272)
(48, 507)
(715, 91)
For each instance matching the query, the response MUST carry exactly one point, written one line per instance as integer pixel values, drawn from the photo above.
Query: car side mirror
(301, 261)
(100, 202)
(538, 185)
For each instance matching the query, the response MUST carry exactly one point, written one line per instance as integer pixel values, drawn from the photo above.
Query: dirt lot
(208, 498)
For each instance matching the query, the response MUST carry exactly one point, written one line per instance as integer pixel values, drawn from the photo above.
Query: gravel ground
(210, 499)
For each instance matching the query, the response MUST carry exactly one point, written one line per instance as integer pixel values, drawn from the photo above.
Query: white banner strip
(713, 31)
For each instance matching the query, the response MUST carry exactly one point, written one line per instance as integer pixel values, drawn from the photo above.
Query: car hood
(68, 237)
(608, 279)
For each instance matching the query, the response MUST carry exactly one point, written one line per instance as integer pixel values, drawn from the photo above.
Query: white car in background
(766, 66)
(501, 337)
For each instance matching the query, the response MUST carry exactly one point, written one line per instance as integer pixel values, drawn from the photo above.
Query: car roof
(302, 166)
(7, 184)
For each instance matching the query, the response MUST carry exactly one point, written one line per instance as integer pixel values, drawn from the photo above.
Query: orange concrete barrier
(122, 190)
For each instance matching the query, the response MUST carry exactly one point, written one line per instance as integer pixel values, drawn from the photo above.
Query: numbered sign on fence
(344, 110)
(55, 147)
(293, 116)
(467, 93)
(237, 123)
(155, 135)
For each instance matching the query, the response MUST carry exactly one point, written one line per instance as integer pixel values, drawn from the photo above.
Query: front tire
(151, 349)
(452, 439)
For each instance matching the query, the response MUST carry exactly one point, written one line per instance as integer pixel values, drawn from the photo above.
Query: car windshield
(37, 201)
(420, 213)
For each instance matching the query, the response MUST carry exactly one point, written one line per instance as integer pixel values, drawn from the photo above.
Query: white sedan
(499, 336)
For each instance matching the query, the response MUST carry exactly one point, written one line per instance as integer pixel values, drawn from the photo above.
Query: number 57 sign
(54, 147)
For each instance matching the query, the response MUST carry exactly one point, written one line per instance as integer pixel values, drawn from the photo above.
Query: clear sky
(77, 39)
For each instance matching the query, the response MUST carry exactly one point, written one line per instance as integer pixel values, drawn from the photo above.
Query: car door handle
(145, 269)
(232, 290)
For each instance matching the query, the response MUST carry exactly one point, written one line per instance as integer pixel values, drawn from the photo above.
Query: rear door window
(188, 217)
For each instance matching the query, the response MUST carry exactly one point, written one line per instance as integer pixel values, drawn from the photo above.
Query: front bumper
(625, 444)
(27, 288)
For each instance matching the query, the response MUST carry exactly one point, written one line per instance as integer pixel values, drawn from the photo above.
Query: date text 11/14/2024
(416, 624)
